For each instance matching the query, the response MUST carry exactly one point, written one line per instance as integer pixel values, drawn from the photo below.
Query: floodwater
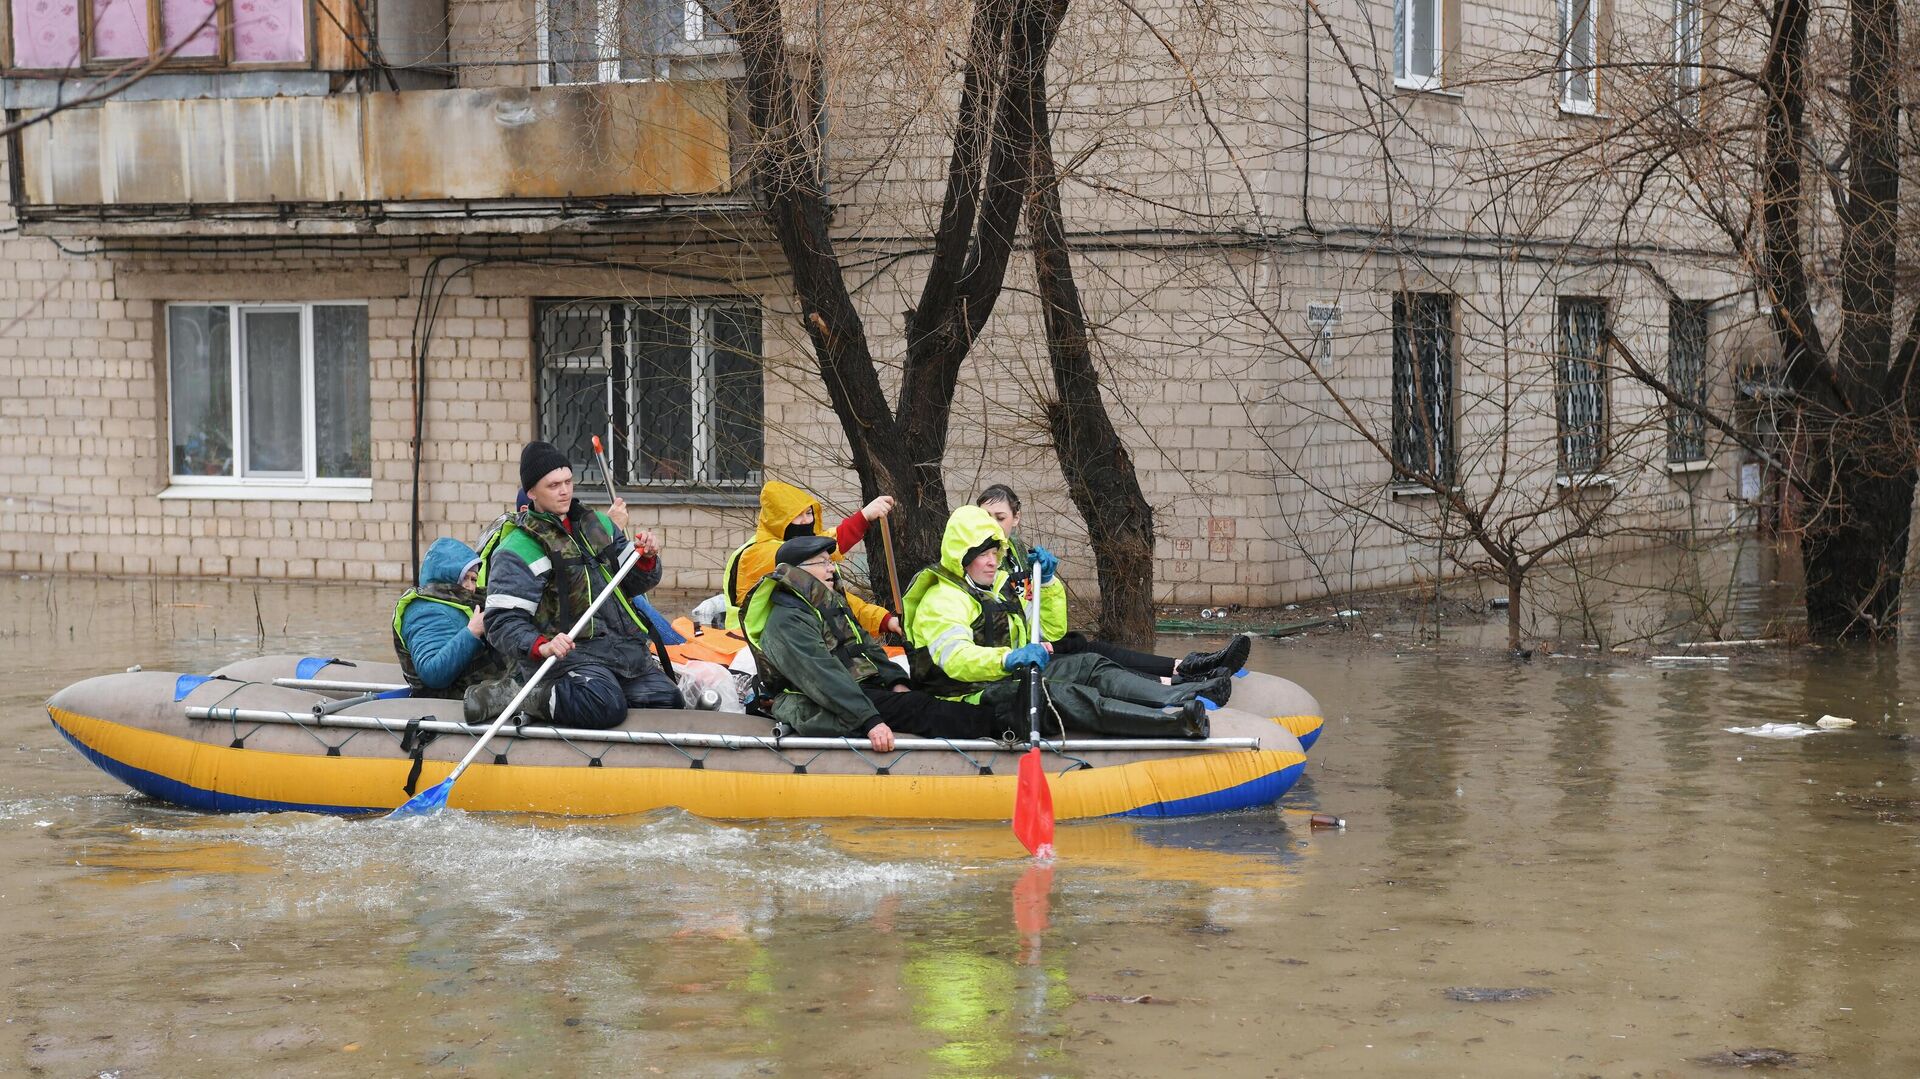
(1583, 830)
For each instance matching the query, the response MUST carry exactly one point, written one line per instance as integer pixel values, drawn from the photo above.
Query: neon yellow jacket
(946, 616)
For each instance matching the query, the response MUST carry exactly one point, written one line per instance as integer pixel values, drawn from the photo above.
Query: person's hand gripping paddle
(434, 798)
(1032, 800)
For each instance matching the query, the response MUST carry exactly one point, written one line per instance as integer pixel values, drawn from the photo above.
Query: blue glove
(1046, 562)
(1027, 655)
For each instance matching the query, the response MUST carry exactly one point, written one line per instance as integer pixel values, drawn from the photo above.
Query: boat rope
(985, 769)
(233, 719)
(698, 748)
(593, 759)
(692, 761)
(878, 768)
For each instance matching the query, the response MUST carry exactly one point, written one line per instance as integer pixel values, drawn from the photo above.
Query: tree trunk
(1099, 471)
(900, 450)
(1853, 549)
(1516, 579)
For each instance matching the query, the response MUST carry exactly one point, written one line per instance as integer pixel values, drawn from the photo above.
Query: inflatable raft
(309, 734)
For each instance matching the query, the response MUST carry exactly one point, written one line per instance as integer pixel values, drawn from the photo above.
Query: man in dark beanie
(827, 675)
(549, 562)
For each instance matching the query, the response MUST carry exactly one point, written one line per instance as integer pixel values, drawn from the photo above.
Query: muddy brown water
(1667, 893)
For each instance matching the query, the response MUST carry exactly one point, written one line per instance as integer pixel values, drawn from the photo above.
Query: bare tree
(899, 449)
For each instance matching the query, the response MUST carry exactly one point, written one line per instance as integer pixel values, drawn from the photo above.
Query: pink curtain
(119, 29)
(269, 31)
(46, 34)
(192, 22)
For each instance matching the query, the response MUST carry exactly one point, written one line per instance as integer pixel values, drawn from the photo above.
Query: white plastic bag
(711, 611)
(708, 687)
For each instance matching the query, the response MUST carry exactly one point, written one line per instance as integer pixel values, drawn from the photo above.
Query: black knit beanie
(538, 459)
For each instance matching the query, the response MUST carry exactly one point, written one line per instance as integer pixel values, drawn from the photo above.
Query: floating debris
(1481, 994)
(1671, 663)
(1777, 730)
(1115, 998)
(1758, 1057)
(1833, 723)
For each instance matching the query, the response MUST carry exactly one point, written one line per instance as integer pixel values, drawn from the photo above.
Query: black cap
(795, 551)
(989, 544)
(538, 459)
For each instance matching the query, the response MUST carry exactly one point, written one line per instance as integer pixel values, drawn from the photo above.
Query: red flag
(1033, 807)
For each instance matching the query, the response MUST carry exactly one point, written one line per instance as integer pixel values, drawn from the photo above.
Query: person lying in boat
(968, 640)
(439, 625)
(1002, 503)
(787, 512)
(828, 676)
(547, 564)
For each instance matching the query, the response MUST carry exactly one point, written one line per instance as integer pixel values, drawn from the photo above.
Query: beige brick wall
(1198, 257)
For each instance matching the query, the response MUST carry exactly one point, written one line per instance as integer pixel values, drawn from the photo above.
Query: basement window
(269, 400)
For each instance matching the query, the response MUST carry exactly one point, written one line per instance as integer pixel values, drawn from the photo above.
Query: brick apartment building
(223, 287)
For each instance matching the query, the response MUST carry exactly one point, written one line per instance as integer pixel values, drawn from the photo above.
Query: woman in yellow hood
(787, 512)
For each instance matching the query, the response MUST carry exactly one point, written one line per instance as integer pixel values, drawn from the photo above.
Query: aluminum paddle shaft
(436, 797)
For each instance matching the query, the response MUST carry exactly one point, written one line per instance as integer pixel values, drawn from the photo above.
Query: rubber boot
(1122, 719)
(1216, 689)
(1207, 664)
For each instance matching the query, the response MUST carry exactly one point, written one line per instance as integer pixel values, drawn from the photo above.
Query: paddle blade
(434, 799)
(1033, 807)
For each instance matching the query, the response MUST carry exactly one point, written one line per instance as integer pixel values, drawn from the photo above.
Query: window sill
(645, 496)
(1399, 491)
(1591, 479)
(1434, 90)
(235, 491)
(1581, 114)
(1682, 468)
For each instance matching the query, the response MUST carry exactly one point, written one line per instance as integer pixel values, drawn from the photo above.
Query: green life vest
(993, 627)
(730, 584)
(575, 560)
(486, 665)
(840, 634)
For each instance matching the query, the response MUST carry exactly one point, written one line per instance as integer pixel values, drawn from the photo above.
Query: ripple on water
(368, 863)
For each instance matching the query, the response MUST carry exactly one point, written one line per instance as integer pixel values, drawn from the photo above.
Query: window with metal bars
(1580, 386)
(1687, 374)
(673, 388)
(1423, 386)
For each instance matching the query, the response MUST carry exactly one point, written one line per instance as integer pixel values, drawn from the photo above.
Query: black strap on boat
(414, 742)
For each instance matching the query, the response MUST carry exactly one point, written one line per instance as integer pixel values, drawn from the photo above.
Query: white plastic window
(1577, 51)
(1417, 43)
(269, 396)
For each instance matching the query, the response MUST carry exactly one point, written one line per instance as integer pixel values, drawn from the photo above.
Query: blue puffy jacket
(436, 634)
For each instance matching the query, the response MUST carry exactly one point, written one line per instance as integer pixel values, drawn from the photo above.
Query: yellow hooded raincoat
(780, 503)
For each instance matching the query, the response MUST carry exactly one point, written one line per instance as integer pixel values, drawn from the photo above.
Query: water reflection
(1582, 827)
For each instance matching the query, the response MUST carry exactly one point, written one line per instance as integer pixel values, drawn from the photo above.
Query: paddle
(605, 472)
(893, 576)
(434, 798)
(1032, 800)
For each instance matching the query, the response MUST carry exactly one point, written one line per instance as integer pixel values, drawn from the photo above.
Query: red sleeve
(851, 531)
(538, 642)
(645, 564)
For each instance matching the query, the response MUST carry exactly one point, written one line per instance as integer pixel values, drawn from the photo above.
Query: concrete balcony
(409, 162)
